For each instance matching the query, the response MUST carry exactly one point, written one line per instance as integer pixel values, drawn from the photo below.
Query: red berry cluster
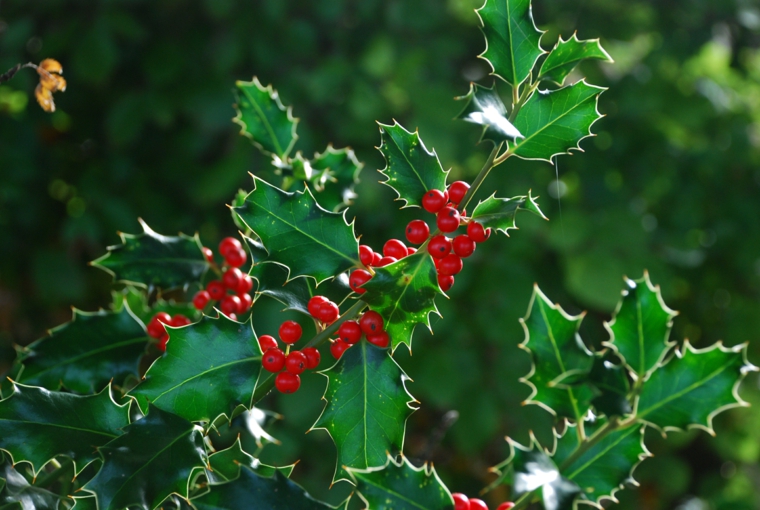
(462, 502)
(233, 280)
(322, 309)
(157, 330)
(293, 362)
(350, 332)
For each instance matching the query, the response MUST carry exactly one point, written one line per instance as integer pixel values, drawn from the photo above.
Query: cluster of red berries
(462, 502)
(350, 332)
(157, 330)
(233, 280)
(293, 362)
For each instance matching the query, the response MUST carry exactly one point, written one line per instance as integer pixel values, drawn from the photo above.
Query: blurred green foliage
(670, 184)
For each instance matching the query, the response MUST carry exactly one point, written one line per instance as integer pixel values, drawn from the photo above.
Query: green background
(671, 184)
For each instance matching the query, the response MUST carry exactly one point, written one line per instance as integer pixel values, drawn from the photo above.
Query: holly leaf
(566, 55)
(554, 122)
(500, 213)
(37, 425)
(512, 39)
(85, 354)
(397, 485)
(403, 293)
(20, 494)
(263, 119)
(612, 383)
(154, 458)
(485, 108)
(640, 327)
(695, 385)
(298, 234)
(560, 359)
(209, 368)
(336, 172)
(411, 169)
(227, 464)
(367, 405)
(137, 300)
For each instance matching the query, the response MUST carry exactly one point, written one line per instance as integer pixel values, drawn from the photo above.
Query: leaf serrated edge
(597, 40)
(502, 468)
(530, 200)
(351, 155)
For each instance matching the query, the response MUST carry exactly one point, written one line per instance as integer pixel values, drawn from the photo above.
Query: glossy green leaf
(367, 405)
(693, 387)
(611, 382)
(500, 213)
(400, 485)
(37, 425)
(559, 359)
(512, 39)
(19, 494)
(298, 233)
(554, 122)
(137, 299)
(154, 458)
(209, 368)
(411, 169)
(485, 108)
(227, 464)
(336, 172)
(403, 293)
(152, 260)
(85, 354)
(567, 54)
(640, 328)
(263, 118)
(89, 503)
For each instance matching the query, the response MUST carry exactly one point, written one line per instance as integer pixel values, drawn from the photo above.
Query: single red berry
(350, 332)
(156, 325)
(417, 232)
(394, 248)
(229, 304)
(463, 246)
(376, 258)
(287, 382)
(208, 254)
(162, 342)
(365, 254)
(338, 347)
(290, 332)
(216, 290)
(236, 258)
(477, 233)
(267, 342)
(201, 299)
(312, 357)
(477, 504)
(328, 312)
(385, 261)
(245, 286)
(439, 246)
(445, 282)
(231, 278)
(179, 320)
(457, 191)
(246, 301)
(381, 340)
(450, 265)
(448, 219)
(295, 363)
(273, 360)
(163, 317)
(505, 506)
(371, 323)
(461, 502)
(433, 200)
(227, 245)
(314, 304)
(358, 278)
(411, 250)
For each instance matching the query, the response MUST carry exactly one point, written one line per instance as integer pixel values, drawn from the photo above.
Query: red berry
(365, 254)
(328, 312)
(179, 320)
(312, 357)
(227, 245)
(229, 305)
(273, 360)
(232, 316)
(201, 299)
(439, 246)
(371, 323)
(156, 325)
(245, 302)
(287, 382)
(381, 339)
(162, 342)
(338, 347)
(457, 191)
(411, 250)
(314, 304)
(461, 502)
(433, 200)
(208, 254)
(394, 248)
(163, 317)
(236, 258)
(290, 332)
(296, 362)
(477, 233)
(376, 258)
(477, 504)
(450, 265)
(267, 342)
(350, 332)
(216, 290)
(445, 282)
(463, 246)
(505, 506)
(448, 219)
(245, 285)
(231, 278)
(358, 278)
(386, 261)
(417, 232)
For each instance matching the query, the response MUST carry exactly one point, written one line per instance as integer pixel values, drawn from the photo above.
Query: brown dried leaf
(51, 65)
(44, 98)
(53, 82)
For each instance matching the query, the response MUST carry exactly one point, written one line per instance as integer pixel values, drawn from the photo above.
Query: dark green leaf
(485, 108)
(500, 213)
(25, 496)
(298, 233)
(611, 381)
(336, 172)
(154, 458)
(567, 54)
(137, 300)
(367, 405)
(90, 503)
(396, 486)
(263, 118)
(411, 169)
(227, 464)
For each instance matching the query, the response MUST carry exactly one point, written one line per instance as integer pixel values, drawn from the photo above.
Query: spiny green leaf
(403, 293)
(554, 122)
(485, 108)
(396, 486)
(567, 54)
(611, 381)
(336, 172)
(512, 39)
(154, 458)
(411, 169)
(640, 328)
(227, 464)
(137, 299)
(24, 495)
(298, 233)
(263, 118)
(152, 260)
(559, 359)
(209, 368)
(367, 405)
(695, 385)
(500, 213)
(85, 354)
(37, 425)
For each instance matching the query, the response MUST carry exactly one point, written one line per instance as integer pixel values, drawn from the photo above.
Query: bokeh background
(670, 184)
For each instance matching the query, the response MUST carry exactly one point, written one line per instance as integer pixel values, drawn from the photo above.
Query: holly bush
(116, 410)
